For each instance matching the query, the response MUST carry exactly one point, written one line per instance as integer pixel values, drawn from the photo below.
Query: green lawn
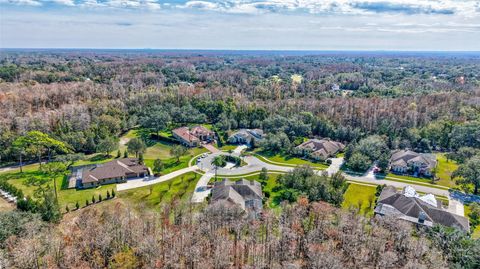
(161, 150)
(360, 197)
(228, 147)
(445, 170)
(288, 160)
(31, 179)
(412, 178)
(152, 196)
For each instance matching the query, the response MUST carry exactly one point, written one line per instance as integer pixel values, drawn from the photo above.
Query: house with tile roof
(422, 210)
(319, 149)
(192, 137)
(243, 193)
(410, 162)
(116, 171)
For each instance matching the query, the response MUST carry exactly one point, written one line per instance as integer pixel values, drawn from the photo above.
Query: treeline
(302, 235)
(111, 94)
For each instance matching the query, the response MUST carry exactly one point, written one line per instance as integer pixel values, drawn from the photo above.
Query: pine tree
(93, 199)
(67, 208)
(113, 193)
(108, 195)
(77, 205)
(87, 203)
(100, 198)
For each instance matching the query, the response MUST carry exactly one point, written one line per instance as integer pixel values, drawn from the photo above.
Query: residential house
(422, 210)
(319, 149)
(243, 193)
(192, 137)
(246, 136)
(115, 171)
(407, 161)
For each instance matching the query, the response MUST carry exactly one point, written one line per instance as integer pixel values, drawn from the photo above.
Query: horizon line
(230, 49)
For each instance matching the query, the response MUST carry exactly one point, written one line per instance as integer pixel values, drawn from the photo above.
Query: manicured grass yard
(31, 179)
(286, 159)
(360, 196)
(152, 196)
(228, 147)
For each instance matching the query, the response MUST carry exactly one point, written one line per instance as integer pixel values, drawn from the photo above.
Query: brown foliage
(313, 235)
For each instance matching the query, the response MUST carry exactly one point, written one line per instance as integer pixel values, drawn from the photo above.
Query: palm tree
(218, 161)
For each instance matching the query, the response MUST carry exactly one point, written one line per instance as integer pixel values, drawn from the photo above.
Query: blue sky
(242, 24)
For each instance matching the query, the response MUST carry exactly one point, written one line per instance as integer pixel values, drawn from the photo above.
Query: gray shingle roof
(113, 169)
(412, 207)
(403, 157)
(238, 192)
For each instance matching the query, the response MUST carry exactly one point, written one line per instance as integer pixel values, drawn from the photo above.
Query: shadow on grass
(99, 157)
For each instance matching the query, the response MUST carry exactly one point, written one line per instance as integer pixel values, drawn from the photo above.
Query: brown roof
(113, 169)
(185, 134)
(323, 147)
(200, 130)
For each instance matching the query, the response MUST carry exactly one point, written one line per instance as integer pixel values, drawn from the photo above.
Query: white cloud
(64, 2)
(22, 2)
(465, 8)
(119, 4)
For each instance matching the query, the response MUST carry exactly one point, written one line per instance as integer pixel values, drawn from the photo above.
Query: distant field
(360, 197)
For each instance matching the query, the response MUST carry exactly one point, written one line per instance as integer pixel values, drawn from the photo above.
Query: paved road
(254, 164)
(142, 182)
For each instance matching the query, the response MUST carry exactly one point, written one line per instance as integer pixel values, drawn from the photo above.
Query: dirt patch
(6, 206)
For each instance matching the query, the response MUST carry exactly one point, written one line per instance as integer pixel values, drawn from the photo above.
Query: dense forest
(81, 98)
(59, 105)
(304, 235)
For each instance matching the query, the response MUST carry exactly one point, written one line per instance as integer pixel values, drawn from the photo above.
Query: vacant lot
(361, 198)
(445, 170)
(180, 188)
